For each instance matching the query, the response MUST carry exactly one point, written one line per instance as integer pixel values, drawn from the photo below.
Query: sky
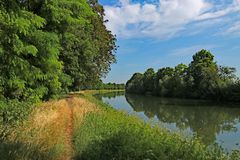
(161, 33)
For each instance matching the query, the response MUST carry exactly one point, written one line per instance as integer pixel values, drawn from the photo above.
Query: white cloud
(234, 7)
(164, 19)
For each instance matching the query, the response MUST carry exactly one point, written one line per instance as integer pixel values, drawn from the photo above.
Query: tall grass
(114, 135)
(38, 136)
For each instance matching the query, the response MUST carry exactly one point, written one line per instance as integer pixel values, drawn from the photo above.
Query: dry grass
(51, 127)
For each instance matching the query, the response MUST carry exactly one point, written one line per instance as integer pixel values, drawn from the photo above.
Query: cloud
(164, 18)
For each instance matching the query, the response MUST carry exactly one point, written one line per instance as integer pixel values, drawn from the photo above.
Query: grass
(42, 136)
(47, 132)
(114, 135)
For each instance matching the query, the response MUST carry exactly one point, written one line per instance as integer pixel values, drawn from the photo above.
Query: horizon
(150, 35)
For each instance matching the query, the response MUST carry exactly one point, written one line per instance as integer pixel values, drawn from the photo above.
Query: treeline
(201, 79)
(108, 86)
(50, 47)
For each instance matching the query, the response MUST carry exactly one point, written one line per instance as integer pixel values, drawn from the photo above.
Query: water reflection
(211, 122)
(205, 120)
(110, 95)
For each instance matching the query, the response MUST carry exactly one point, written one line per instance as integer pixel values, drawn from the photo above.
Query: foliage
(28, 56)
(135, 84)
(86, 45)
(12, 115)
(108, 86)
(50, 47)
(12, 112)
(202, 79)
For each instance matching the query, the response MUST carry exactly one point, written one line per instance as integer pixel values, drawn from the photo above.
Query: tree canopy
(202, 79)
(52, 46)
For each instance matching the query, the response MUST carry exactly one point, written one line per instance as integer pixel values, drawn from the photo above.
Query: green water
(212, 122)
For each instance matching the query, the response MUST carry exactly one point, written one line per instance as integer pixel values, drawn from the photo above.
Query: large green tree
(51, 46)
(28, 55)
(204, 71)
(87, 47)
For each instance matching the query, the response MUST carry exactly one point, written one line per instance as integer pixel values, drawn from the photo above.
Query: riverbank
(82, 127)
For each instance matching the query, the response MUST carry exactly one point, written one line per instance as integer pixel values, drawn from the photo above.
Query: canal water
(211, 122)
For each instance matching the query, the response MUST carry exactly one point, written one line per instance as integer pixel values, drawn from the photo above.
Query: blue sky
(160, 33)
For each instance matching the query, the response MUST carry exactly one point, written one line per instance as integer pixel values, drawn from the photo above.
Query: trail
(53, 124)
(76, 109)
(69, 132)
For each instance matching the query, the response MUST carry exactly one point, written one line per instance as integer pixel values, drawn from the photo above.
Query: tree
(28, 55)
(178, 81)
(227, 74)
(204, 71)
(163, 77)
(148, 80)
(135, 84)
(202, 79)
(51, 46)
(87, 47)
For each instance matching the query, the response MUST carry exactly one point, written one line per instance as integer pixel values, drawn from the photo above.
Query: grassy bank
(110, 134)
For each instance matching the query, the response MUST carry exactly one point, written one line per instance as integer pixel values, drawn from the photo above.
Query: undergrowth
(25, 135)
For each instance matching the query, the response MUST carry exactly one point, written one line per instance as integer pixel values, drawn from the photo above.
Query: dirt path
(51, 126)
(69, 132)
(77, 109)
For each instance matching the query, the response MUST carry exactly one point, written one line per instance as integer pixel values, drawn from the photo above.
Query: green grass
(113, 135)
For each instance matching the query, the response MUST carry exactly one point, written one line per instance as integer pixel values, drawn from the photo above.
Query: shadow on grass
(21, 151)
(121, 146)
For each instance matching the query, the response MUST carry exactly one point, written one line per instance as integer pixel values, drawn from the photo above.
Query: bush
(12, 113)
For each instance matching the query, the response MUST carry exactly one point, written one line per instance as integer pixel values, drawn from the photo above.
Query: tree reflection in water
(205, 119)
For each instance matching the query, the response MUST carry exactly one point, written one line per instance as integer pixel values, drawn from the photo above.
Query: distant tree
(162, 80)
(227, 73)
(204, 71)
(178, 81)
(135, 84)
(202, 79)
(148, 80)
